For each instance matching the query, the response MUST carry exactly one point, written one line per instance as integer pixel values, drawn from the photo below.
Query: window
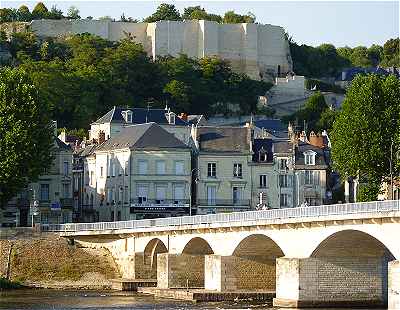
(44, 218)
(126, 194)
(283, 164)
(285, 180)
(91, 177)
(179, 167)
(311, 177)
(44, 192)
(212, 170)
(142, 194)
(171, 118)
(76, 183)
(126, 167)
(127, 115)
(113, 167)
(142, 166)
(160, 166)
(179, 193)
(101, 172)
(284, 200)
(121, 170)
(263, 156)
(236, 194)
(65, 190)
(211, 195)
(237, 170)
(120, 195)
(113, 195)
(66, 168)
(109, 195)
(263, 181)
(309, 158)
(160, 194)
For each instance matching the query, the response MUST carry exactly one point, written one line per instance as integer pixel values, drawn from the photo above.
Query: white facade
(258, 50)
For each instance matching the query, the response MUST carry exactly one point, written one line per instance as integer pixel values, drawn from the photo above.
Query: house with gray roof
(142, 172)
(223, 177)
(113, 122)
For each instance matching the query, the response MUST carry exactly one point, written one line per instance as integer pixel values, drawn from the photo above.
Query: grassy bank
(49, 261)
(8, 285)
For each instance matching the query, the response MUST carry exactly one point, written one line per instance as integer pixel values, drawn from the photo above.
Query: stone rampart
(261, 51)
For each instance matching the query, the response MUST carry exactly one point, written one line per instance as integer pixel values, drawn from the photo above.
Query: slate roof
(61, 145)
(143, 136)
(350, 73)
(139, 116)
(282, 147)
(262, 144)
(223, 139)
(320, 160)
(271, 124)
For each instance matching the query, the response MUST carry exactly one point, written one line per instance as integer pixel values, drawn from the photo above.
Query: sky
(340, 23)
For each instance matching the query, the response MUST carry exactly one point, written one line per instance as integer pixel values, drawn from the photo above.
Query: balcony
(66, 202)
(160, 202)
(223, 202)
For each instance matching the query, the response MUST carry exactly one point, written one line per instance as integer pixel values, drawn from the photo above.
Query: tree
(198, 13)
(8, 15)
(40, 11)
(26, 138)
(364, 130)
(231, 17)
(391, 53)
(164, 12)
(24, 15)
(359, 57)
(55, 13)
(73, 13)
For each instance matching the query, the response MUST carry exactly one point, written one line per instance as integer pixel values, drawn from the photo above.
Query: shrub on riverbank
(7, 284)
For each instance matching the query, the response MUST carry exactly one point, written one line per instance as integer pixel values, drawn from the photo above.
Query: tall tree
(24, 15)
(164, 12)
(40, 11)
(26, 137)
(73, 13)
(364, 130)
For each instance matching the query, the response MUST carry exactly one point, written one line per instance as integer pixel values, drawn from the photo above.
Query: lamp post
(190, 190)
(34, 207)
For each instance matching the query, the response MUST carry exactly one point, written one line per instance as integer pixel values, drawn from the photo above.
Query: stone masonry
(394, 285)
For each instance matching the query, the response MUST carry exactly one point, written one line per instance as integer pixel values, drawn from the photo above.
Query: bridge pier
(394, 285)
(232, 273)
(180, 271)
(331, 282)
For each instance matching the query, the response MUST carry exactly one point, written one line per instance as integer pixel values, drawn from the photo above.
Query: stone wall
(230, 273)
(394, 285)
(179, 271)
(331, 281)
(261, 51)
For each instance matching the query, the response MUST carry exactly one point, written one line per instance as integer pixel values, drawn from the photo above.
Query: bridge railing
(272, 214)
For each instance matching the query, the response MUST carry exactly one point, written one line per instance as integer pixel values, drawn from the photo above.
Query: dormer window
(262, 155)
(309, 158)
(127, 115)
(171, 118)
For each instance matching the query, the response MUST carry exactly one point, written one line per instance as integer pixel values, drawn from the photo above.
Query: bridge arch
(352, 263)
(197, 246)
(154, 246)
(253, 262)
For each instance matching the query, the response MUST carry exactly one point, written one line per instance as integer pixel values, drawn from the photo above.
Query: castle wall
(257, 50)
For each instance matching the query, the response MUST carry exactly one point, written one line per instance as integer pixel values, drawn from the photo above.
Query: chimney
(102, 137)
(316, 140)
(183, 116)
(303, 136)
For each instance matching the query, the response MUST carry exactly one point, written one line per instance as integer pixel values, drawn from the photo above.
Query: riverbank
(9, 285)
(48, 261)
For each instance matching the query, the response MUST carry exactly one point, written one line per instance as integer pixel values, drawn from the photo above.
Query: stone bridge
(333, 255)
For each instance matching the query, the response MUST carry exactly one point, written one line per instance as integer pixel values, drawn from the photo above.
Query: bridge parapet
(354, 211)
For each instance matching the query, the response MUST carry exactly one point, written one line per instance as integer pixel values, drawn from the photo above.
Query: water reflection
(106, 300)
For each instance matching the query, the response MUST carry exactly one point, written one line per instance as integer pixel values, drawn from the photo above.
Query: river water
(106, 300)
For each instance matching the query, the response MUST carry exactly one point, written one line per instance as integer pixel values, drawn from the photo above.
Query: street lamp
(34, 207)
(190, 189)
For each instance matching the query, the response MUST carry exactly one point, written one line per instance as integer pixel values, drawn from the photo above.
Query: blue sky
(310, 22)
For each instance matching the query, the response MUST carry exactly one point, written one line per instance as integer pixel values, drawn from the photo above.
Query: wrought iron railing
(238, 217)
(223, 202)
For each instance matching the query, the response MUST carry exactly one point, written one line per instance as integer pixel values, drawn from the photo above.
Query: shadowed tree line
(163, 12)
(83, 76)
